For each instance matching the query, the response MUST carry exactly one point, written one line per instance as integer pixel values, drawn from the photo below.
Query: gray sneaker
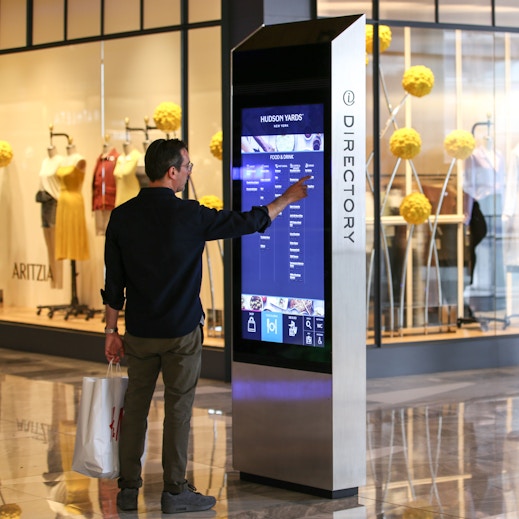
(127, 498)
(187, 501)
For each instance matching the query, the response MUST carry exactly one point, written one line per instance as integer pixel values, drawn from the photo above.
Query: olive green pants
(179, 360)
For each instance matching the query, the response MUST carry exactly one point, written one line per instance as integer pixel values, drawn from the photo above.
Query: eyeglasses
(188, 166)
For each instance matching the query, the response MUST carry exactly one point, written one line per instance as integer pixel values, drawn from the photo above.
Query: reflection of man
(153, 256)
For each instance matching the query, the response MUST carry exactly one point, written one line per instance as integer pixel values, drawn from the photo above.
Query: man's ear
(172, 172)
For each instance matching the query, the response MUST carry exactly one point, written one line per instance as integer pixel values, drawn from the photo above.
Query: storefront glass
(83, 18)
(13, 17)
(479, 12)
(507, 14)
(203, 11)
(205, 109)
(121, 17)
(451, 274)
(455, 275)
(48, 21)
(416, 10)
(98, 100)
(158, 13)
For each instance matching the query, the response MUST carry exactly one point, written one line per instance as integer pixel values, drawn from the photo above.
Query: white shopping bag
(96, 451)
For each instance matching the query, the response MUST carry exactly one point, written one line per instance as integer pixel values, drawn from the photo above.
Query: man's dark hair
(161, 155)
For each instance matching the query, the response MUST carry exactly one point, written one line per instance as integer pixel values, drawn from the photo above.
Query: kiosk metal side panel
(349, 256)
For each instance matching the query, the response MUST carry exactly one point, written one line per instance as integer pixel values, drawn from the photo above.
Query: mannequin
(141, 170)
(484, 171)
(103, 188)
(71, 231)
(49, 183)
(511, 212)
(125, 173)
(484, 182)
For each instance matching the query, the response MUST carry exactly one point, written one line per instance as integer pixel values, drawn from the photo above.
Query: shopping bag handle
(114, 369)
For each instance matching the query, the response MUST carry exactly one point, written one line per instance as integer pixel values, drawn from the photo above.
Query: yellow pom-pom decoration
(6, 153)
(10, 511)
(384, 38)
(459, 144)
(405, 143)
(211, 201)
(415, 208)
(167, 116)
(418, 80)
(216, 145)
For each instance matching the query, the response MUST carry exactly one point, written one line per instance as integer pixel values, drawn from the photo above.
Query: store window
(205, 116)
(159, 13)
(478, 13)
(204, 10)
(331, 8)
(449, 273)
(13, 16)
(121, 16)
(446, 146)
(48, 25)
(98, 100)
(83, 18)
(417, 10)
(506, 14)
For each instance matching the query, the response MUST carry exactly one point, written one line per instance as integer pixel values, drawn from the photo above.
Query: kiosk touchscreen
(282, 285)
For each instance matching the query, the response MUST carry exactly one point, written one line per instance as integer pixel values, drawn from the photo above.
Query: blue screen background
(282, 270)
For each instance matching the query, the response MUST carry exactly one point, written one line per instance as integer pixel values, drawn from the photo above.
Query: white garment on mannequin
(484, 181)
(49, 182)
(484, 173)
(511, 211)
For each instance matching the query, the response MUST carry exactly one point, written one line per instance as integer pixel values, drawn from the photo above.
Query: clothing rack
(148, 127)
(488, 123)
(74, 307)
(144, 130)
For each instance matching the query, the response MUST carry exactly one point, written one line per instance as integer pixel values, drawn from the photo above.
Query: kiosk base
(304, 489)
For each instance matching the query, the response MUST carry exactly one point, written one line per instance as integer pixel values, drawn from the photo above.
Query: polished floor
(439, 446)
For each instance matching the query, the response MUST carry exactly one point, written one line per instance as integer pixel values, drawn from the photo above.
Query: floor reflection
(439, 446)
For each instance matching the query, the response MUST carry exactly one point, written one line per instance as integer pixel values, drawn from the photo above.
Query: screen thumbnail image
(282, 143)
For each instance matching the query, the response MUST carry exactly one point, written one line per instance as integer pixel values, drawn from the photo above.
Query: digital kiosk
(299, 303)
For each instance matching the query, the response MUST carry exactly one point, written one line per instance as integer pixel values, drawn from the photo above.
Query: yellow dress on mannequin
(126, 183)
(71, 230)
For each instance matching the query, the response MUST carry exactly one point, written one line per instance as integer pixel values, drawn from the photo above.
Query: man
(153, 257)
